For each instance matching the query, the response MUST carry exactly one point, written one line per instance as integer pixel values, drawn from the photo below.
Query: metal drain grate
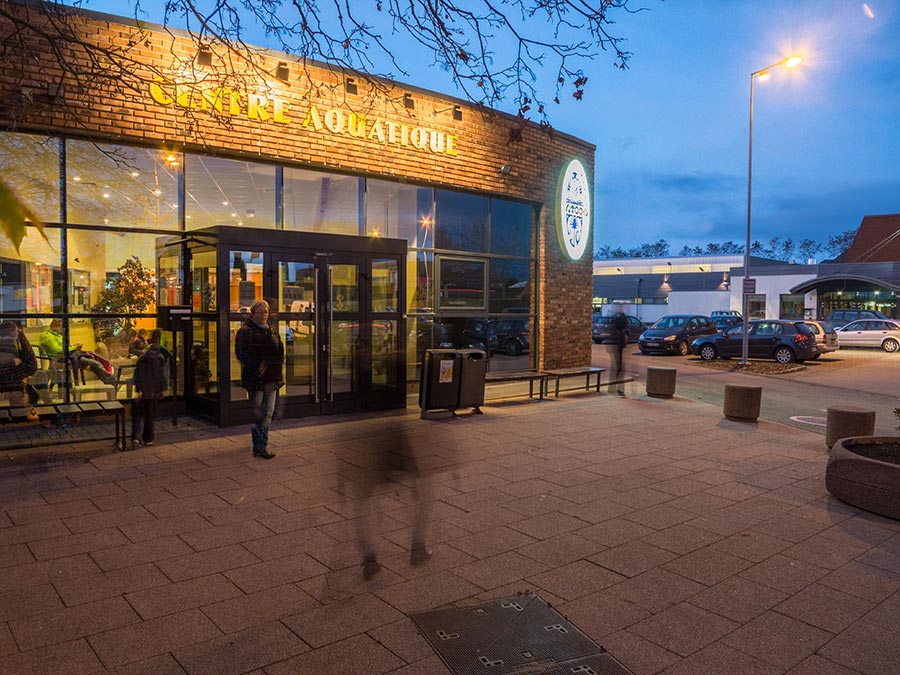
(512, 636)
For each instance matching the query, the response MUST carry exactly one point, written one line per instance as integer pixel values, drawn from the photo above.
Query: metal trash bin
(439, 388)
(473, 369)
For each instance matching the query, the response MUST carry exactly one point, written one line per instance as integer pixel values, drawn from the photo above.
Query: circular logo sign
(573, 216)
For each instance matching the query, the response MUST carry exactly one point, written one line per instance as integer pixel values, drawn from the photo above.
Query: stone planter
(865, 471)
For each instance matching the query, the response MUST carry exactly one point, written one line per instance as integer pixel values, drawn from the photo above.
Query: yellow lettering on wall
(437, 141)
(157, 93)
(312, 117)
(451, 141)
(377, 132)
(356, 125)
(183, 95)
(334, 120)
(211, 97)
(281, 107)
(419, 138)
(404, 134)
(392, 132)
(234, 101)
(256, 107)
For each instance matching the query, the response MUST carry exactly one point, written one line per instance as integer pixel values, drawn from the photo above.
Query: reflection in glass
(121, 185)
(245, 274)
(344, 283)
(510, 285)
(296, 286)
(321, 202)
(203, 273)
(400, 212)
(299, 351)
(511, 228)
(420, 281)
(221, 191)
(460, 221)
(27, 276)
(170, 279)
(30, 167)
(384, 354)
(343, 377)
(385, 288)
(461, 284)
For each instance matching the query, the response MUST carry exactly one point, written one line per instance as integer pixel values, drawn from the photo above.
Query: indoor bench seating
(529, 376)
(560, 373)
(20, 414)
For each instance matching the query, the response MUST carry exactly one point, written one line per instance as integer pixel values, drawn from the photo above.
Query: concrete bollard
(742, 403)
(661, 381)
(846, 421)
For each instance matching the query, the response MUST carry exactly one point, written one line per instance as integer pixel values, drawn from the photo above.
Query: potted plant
(865, 471)
(132, 290)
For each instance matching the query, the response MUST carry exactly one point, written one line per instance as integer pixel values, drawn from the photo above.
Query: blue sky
(672, 130)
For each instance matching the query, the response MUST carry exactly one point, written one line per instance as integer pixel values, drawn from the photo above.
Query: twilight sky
(672, 130)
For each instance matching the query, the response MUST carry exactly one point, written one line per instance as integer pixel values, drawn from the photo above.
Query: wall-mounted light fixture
(282, 72)
(457, 112)
(408, 101)
(204, 56)
(505, 169)
(350, 85)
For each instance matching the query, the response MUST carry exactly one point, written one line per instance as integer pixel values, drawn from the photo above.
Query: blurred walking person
(150, 383)
(619, 325)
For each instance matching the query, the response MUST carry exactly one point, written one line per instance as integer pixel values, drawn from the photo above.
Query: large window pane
(511, 228)
(385, 285)
(30, 277)
(400, 212)
(510, 285)
(321, 202)
(30, 166)
(245, 279)
(121, 186)
(228, 192)
(461, 284)
(791, 306)
(203, 273)
(460, 221)
(420, 281)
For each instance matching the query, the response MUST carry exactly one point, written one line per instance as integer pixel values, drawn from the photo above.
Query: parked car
(513, 335)
(784, 341)
(726, 321)
(884, 334)
(730, 315)
(673, 333)
(826, 338)
(841, 317)
(602, 329)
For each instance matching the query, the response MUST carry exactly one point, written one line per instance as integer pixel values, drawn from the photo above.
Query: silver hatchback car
(871, 333)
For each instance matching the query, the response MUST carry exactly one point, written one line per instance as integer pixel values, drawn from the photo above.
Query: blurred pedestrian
(18, 365)
(260, 350)
(387, 466)
(150, 383)
(619, 325)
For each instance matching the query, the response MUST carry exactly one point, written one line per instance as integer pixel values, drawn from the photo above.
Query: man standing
(150, 384)
(258, 347)
(619, 325)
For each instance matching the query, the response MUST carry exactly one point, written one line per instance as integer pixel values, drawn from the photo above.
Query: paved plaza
(681, 542)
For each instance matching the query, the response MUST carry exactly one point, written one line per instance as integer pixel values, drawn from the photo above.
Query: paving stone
(738, 599)
(632, 558)
(25, 515)
(719, 659)
(359, 654)
(863, 581)
(597, 511)
(491, 542)
(279, 521)
(423, 593)
(157, 665)
(681, 538)
(777, 639)
(164, 527)
(15, 554)
(602, 613)
(93, 587)
(325, 625)
(37, 573)
(827, 608)
(561, 550)
(203, 487)
(725, 523)
(825, 551)
(752, 546)
(430, 666)
(28, 601)
(865, 647)
(68, 658)
(707, 565)
(271, 604)
(575, 580)
(45, 529)
(176, 507)
(84, 492)
(153, 550)
(784, 573)
(499, 570)
(106, 519)
(259, 576)
(886, 613)
(536, 505)
(640, 656)
(224, 535)
(240, 652)
(206, 562)
(614, 532)
(656, 589)
(149, 495)
(177, 597)
(85, 542)
(684, 628)
(403, 639)
(289, 543)
(63, 625)
(7, 643)
(152, 638)
(816, 665)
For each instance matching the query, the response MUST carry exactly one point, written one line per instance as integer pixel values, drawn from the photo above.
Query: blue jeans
(263, 408)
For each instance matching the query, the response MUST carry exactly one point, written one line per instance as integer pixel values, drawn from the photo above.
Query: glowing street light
(763, 74)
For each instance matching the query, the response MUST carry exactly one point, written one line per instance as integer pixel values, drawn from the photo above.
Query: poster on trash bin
(446, 374)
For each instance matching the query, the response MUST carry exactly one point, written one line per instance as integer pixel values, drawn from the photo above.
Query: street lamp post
(789, 62)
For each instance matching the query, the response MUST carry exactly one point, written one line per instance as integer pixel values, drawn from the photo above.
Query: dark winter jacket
(12, 378)
(261, 354)
(150, 373)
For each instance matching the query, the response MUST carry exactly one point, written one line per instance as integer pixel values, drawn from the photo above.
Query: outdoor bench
(529, 376)
(560, 373)
(20, 414)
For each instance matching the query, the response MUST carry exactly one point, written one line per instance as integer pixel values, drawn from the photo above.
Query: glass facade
(471, 258)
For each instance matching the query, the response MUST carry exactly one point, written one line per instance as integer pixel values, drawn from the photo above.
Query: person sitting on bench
(52, 346)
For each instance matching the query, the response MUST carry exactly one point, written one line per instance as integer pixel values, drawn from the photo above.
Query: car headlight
(670, 338)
